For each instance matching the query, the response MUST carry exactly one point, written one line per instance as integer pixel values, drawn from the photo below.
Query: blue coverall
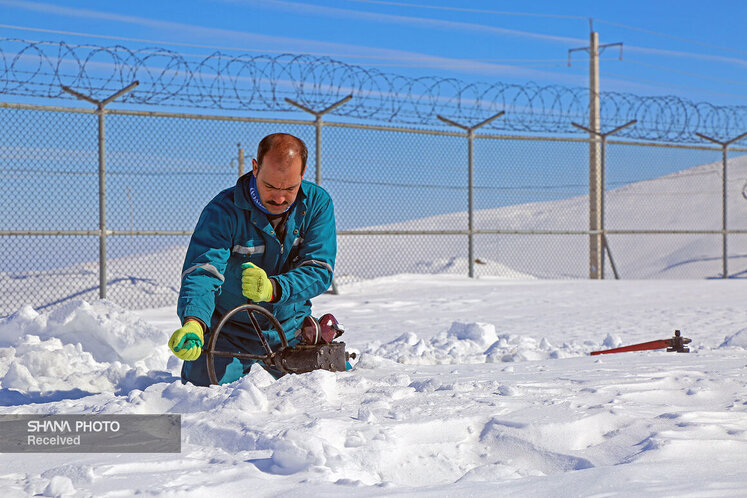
(231, 231)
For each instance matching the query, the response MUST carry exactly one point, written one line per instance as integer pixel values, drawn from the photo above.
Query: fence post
(470, 183)
(100, 112)
(596, 167)
(601, 194)
(241, 160)
(724, 157)
(318, 125)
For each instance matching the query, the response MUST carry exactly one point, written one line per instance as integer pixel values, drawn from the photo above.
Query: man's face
(278, 179)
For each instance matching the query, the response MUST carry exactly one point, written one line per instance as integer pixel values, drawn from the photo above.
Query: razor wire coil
(261, 83)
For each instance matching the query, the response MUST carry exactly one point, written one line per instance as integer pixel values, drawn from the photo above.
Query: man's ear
(255, 167)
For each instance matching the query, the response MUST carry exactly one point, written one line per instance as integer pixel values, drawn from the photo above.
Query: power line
(346, 56)
(474, 11)
(557, 16)
(673, 37)
(370, 59)
(176, 44)
(195, 45)
(696, 75)
(387, 57)
(120, 38)
(672, 85)
(508, 62)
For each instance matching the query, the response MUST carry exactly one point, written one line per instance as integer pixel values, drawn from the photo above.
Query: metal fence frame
(469, 134)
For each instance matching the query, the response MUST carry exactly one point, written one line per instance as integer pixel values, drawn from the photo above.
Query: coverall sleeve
(312, 274)
(205, 262)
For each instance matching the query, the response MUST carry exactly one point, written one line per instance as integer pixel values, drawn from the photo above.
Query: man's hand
(254, 283)
(186, 342)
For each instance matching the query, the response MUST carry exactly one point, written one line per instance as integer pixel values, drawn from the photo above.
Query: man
(270, 239)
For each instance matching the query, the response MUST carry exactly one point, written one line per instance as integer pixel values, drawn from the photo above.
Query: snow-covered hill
(687, 200)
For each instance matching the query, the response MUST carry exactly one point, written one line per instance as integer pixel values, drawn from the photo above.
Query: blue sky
(692, 49)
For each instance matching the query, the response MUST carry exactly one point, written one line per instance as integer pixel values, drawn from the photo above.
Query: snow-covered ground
(463, 387)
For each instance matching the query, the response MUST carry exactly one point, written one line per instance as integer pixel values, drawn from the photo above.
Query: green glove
(254, 283)
(186, 342)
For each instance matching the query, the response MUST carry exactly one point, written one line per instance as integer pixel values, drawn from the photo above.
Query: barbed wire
(261, 83)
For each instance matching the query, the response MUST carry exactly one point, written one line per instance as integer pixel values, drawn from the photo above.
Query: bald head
(284, 147)
(278, 169)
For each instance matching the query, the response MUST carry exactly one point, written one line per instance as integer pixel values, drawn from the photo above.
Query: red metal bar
(644, 346)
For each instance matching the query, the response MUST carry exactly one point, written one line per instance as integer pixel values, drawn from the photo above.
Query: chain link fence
(401, 198)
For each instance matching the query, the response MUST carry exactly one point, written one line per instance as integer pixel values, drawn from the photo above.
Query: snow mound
(470, 343)
(482, 334)
(59, 486)
(104, 329)
(94, 347)
(612, 341)
(460, 266)
(738, 340)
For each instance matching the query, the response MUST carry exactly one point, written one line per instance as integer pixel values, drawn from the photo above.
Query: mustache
(278, 204)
